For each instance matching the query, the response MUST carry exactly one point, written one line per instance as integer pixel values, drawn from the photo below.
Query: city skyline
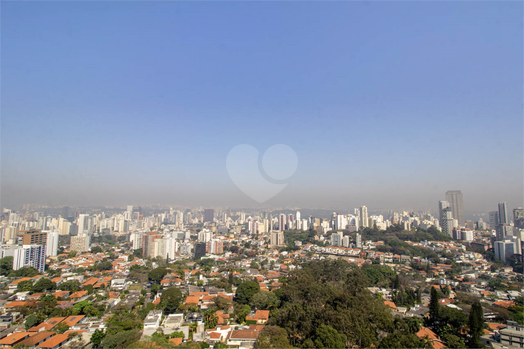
(382, 104)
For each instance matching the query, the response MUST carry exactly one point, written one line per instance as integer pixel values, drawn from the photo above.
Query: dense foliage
(326, 304)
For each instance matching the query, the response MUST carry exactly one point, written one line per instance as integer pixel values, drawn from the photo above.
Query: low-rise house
(74, 320)
(172, 322)
(244, 338)
(152, 320)
(61, 294)
(13, 339)
(260, 316)
(7, 319)
(119, 284)
(426, 334)
(36, 339)
(47, 325)
(55, 342)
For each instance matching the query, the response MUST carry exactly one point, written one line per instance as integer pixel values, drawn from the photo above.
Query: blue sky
(387, 104)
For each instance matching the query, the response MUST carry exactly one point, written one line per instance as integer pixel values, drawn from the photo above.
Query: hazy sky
(386, 104)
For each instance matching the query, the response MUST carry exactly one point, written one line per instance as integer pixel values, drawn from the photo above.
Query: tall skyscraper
(209, 215)
(494, 219)
(34, 237)
(216, 246)
(505, 248)
(85, 224)
(504, 231)
(281, 222)
(454, 197)
(65, 212)
(363, 213)
(277, 238)
(446, 217)
(503, 213)
(358, 240)
(200, 250)
(52, 243)
(336, 238)
(80, 243)
(29, 256)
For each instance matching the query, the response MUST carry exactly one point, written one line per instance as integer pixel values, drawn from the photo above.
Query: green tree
(104, 265)
(172, 297)
(91, 311)
(44, 285)
(241, 312)
(61, 328)
(156, 275)
(272, 337)
(72, 286)
(327, 337)
(222, 303)
(476, 325)
(246, 291)
(96, 249)
(49, 300)
(137, 253)
(264, 301)
(396, 282)
(210, 319)
(24, 286)
(413, 324)
(120, 339)
(31, 321)
(434, 305)
(155, 288)
(6, 265)
(72, 254)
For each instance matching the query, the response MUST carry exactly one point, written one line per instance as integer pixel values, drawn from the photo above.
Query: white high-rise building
(305, 224)
(358, 240)
(166, 247)
(336, 238)
(506, 248)
(205, 235)
(340, 222)
(80, 243)
(85, 224)
(252, 227)
(216, 246)
(52, 243)
(64, 226)
(447, 222)
(30, 256)
(346, 240)
(363, 213)
(136, 238)
(277, 238)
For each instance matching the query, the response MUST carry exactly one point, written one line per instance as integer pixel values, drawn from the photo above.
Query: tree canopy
(246, 291)
(172, 297)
